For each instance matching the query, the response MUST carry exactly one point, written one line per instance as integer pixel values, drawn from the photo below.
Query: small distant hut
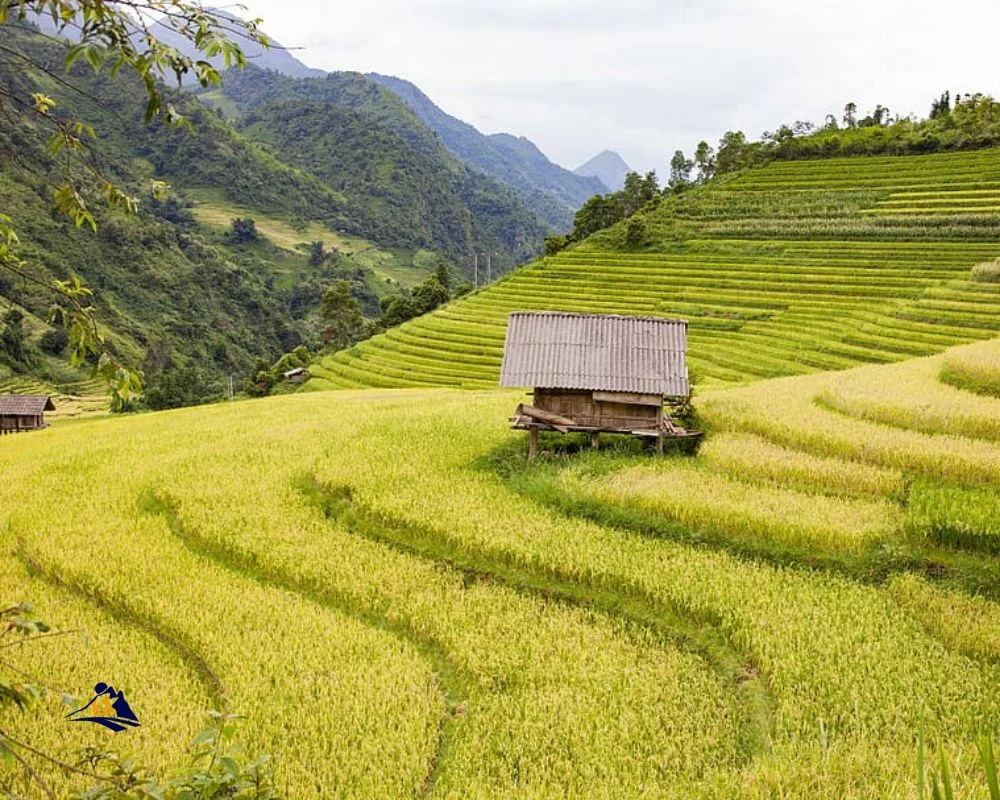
(23, 412)
(596, 373)
(296, 375)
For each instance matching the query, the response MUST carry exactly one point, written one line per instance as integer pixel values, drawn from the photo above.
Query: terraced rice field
(83, 397)
(401, 607)
(794, 268)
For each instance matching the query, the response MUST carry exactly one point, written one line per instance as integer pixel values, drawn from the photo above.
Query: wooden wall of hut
(16, 423)
(592, 410)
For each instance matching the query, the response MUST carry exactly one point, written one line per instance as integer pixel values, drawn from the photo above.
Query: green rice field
(793, 268)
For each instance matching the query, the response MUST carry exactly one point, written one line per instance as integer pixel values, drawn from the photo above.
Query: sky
(648, 77)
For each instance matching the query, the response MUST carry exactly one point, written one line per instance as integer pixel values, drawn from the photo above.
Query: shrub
(635, 231)
(175, 388)
(54, 341)
(243, 231)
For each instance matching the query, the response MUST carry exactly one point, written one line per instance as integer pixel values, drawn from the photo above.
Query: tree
(397, 311)
(12, 339)
(343, 321)
(850, 114)
(429, 295)
(176, 388)
(638, 190)
(878, 118)
(54, 341)
(734, 152)
(635, 231)
(803, 127)
(704, 159)
(243, 231)
(116, 33)
(941, 106)
(680, 171)
(317, 255)
(599, 212)
(443, 276)
(555, 243)
(779, 136)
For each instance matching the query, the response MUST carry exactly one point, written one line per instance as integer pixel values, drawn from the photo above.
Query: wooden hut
(596, 373)
(296, 375)
(23, 412)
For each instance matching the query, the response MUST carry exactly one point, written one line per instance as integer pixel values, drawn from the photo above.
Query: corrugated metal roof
(25, 404)
(596, 352)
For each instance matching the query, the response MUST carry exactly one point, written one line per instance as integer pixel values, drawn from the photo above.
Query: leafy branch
(118, 33)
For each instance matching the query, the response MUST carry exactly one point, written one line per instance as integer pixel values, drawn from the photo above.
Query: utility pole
(477, 270)
(489, 268)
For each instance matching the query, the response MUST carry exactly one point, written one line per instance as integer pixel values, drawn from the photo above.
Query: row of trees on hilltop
(969, 121)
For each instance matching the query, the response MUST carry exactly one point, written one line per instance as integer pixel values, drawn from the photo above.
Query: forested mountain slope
(552, 191)
(164, 288)
(790, 268)
(472, 211)
(171, 291)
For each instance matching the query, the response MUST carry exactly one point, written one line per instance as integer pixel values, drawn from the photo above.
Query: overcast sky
(647, 77)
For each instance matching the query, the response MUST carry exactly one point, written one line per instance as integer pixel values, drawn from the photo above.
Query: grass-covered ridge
(791, 268)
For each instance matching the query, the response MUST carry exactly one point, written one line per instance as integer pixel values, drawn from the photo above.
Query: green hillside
(172, 289)
(169, 292)
(404, 188)
(791, 268)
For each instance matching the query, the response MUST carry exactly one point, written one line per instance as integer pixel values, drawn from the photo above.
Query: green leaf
(990, 765)
(949, 793)
(55, 143)
(230, 766)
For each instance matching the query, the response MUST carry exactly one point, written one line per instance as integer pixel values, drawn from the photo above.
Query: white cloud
(646, 77)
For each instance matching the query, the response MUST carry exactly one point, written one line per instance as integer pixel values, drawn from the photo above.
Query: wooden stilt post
(659, 444)
(532, 444)
(594, 439)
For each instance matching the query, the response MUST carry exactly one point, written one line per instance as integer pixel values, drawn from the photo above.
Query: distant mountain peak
(608, 167)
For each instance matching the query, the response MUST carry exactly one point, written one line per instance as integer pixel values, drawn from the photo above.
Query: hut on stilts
(597, 373)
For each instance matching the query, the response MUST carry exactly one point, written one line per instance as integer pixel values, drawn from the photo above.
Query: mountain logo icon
(109, 708)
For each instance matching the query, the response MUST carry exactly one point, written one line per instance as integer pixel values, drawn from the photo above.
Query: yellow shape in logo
(102, 707)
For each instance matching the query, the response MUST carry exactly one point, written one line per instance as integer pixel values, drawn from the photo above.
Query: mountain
(174, 287)
(367, 144)
(607, 166)
(168, 291)
(552, 191)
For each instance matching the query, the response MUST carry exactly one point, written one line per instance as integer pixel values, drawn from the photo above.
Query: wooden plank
(629, 398)
(560, 423)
